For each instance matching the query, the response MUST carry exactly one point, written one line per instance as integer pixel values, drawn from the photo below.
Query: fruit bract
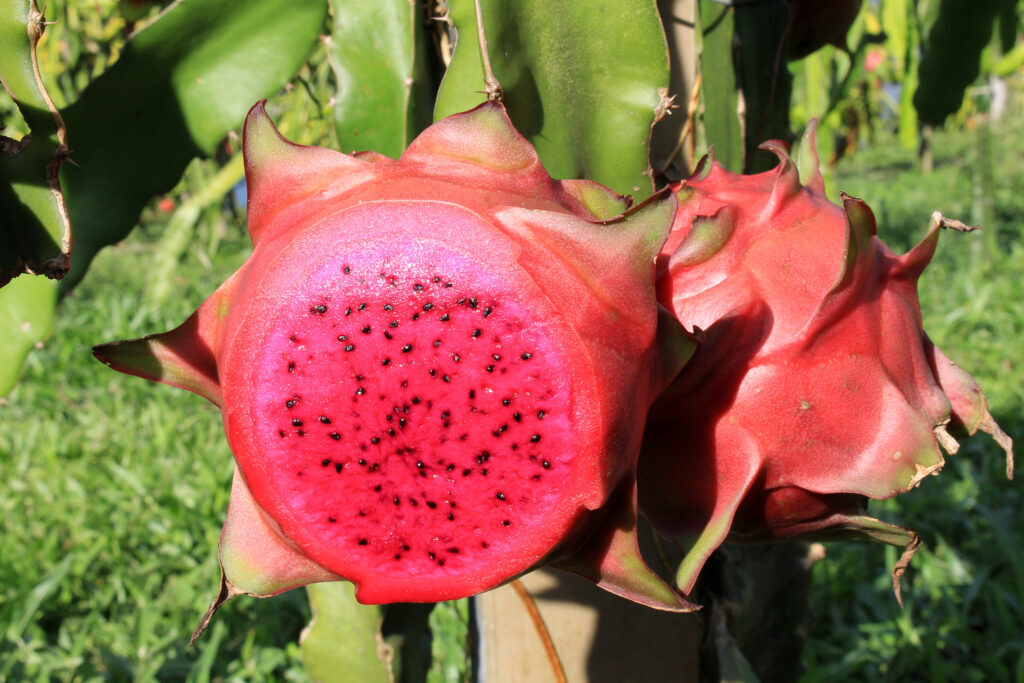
(814, 386)
(429, 368)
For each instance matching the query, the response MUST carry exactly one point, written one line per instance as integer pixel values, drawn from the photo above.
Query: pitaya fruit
(432, 371)
(814, 388)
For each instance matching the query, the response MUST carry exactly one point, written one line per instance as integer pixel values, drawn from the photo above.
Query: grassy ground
(114, 488)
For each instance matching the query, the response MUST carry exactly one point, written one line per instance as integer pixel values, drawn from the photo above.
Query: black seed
(378, 486)
(535, 477)
(397, 501)
(431, 504)
(398, 556)
(448, 284)
(449, 468)
(472, 302)
(472, 393)
(281, 433)
(431, 554)
(415, 316)
(360, 391)
(391, 432)
(487, 311)
(440, 563)
(362, 306)
(503, 428)
(489, 368)
(386, 361)
(505, 522)
(460, 300)
(456, 357)
(496, 356)
(407, 348)
(437, 342)
(446, 379)
(417, 287)
(325, 462)
(338, 466)
(387, 335)
(325, 420)
(319, 309)
(477, 332)
(363, 541)
(388, 307)
(483, 544)
(348, 311)
(290, 403)
(420, 465)
(545, 464)
(349, 347)
(362, 513)
(433, 372)
(375, 440)
(445, 415)
(451, 517)
(445, 317)
(453, 551)
(366, 330)
(483, 472)
(336, 436)
(406, 548)
(416, 400)
(362, 462)
(393, 323)
(401, 422)
(526, 355)
(435, 279)
(346, 270)
(296, 422)
(291, 367)
(517, 417)
(332, 520)
(466, 472)
(428, 306)
(342, 337)
(500, 496)
(540, 414)
(535, 438)
(506, 401)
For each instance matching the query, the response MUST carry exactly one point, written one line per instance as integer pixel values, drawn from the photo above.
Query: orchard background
(113, 491)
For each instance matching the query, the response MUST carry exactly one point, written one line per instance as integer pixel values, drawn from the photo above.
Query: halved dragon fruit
(432, 371)
(814, 387)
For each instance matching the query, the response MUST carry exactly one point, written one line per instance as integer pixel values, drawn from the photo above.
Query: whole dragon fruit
(814, 387)
(429, 368)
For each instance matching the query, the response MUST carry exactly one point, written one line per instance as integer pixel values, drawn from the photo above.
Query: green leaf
(35, 236)
(344, 637)
(720, 89)
(742, 61)
(952, 56)
(27, 308)
(581, 81)
(384, 88)
(178, 87)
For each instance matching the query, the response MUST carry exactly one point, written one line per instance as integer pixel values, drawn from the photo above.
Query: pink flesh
(413, 418)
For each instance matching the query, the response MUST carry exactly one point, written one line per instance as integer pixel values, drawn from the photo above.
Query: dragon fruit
(814, 387)
(429, 368)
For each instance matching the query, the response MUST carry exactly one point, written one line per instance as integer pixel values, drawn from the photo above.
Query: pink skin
(814, 386)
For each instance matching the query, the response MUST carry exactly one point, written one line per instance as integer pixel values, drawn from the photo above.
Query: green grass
(964, 593)
(114, 491)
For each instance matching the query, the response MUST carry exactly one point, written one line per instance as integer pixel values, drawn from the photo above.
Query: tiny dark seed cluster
(431, 419)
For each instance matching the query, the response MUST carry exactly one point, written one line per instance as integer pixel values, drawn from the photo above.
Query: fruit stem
(492, 87)
(542, 629)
